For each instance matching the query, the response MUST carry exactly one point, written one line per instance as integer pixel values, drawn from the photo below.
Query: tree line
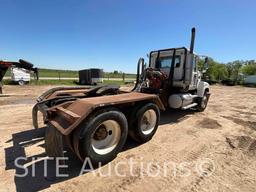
(232, 71)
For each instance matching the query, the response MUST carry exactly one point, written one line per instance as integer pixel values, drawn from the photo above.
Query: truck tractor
(95, 121)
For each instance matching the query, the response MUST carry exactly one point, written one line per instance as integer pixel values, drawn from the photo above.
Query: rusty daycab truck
(95, 121)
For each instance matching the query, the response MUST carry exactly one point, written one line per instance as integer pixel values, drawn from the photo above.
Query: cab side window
(166, 62)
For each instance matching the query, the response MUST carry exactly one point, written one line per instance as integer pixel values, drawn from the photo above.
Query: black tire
(88, 129)
(1, 87)
(35, 116)
(109, 90)
(21, 82)
(135, 130)
(202, 102)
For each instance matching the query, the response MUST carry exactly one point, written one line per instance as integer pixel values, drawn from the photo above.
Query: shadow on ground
(35, 179)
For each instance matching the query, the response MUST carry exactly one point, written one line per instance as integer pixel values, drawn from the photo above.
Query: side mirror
(206, 65)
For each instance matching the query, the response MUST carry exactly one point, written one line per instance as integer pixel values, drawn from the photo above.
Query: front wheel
(103, 137)
(144, 123)
(202, 102)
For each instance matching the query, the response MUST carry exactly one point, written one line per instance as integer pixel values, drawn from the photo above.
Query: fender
(67, 116)
(202, 87)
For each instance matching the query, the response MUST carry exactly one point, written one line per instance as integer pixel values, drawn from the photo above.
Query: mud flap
(54, 150)
(34, 116)
(53, 142)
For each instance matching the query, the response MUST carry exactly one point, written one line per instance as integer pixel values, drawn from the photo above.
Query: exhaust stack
(193, 34)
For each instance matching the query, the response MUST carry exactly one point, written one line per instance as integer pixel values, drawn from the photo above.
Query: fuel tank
(180, 100)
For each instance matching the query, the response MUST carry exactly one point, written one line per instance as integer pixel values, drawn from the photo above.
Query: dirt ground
(210, 151)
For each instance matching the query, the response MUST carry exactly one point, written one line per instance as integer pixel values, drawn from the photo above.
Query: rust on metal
(66, 118)
(76, 92)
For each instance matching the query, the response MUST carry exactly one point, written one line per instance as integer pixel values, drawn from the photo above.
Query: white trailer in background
(20, 75)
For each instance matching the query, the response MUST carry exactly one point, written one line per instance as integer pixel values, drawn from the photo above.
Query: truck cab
(185, 70)
(173, 74)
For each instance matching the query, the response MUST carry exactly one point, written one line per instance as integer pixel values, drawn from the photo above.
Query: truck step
(194, 96)
(190, 106)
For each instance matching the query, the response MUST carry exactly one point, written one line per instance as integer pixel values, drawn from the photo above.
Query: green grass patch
(73, 74)
(7, 82)
(118, 75)
(110, 82)
(62, 82)
(52, 73)
(57, 73)
(70, 82)
(8, 73)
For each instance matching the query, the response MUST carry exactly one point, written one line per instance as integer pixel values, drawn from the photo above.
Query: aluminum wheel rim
(148, 122)
(106, 145)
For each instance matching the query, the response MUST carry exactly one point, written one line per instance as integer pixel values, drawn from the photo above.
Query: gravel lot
(210, 151)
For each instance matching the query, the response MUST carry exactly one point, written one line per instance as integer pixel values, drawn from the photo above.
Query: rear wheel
(144, 123)
(103, 137)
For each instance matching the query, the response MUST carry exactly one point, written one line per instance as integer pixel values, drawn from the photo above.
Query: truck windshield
(166, 62)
